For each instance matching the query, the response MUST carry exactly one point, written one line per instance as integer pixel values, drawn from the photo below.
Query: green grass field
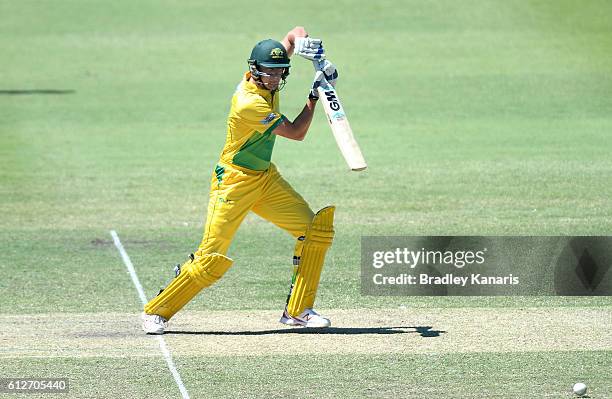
(476, 118)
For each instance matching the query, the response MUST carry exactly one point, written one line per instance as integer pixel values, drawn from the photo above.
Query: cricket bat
(340, 125)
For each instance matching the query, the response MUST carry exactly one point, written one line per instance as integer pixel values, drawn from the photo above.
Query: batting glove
(316, 82)
(330, 72)
(309, 48)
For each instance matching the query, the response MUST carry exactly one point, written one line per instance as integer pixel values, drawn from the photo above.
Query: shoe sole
(289, 322)
(297, 323)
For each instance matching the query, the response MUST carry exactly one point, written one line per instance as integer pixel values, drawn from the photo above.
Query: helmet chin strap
(261, 84)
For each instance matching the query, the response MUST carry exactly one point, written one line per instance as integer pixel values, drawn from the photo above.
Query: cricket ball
(579, 388)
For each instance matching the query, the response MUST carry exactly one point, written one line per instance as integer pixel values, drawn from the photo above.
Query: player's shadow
(424, 331)
(35, 92)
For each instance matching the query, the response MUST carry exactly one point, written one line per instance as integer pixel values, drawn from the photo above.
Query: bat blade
(343, 133)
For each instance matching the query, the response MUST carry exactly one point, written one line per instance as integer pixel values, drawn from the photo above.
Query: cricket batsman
(245, 180)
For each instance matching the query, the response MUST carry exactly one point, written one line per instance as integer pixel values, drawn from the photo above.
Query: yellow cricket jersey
(252, 118)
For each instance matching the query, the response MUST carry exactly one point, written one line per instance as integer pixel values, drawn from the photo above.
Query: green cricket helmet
(270, 54)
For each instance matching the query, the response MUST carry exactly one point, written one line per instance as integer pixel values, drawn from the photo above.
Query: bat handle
(318, 65)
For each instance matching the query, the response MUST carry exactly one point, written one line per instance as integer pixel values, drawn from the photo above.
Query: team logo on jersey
(277, 53)
(268, 118)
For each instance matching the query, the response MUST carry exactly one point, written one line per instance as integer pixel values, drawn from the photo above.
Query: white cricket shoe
(308, 318)
(153, 324)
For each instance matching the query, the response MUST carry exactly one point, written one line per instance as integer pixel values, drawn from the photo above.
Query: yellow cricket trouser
(235, 191)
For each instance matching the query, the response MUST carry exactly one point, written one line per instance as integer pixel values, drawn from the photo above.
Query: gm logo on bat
(333, 101)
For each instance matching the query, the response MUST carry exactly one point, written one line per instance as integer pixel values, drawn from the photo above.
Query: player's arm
(289, 40)
(297, 129)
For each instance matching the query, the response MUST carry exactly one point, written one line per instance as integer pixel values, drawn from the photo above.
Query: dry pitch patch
(380, 331)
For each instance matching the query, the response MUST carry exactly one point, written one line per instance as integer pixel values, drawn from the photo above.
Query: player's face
(272, 78)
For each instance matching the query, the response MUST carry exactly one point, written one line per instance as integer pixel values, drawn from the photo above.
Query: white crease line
(143, 299)
(130, 267)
